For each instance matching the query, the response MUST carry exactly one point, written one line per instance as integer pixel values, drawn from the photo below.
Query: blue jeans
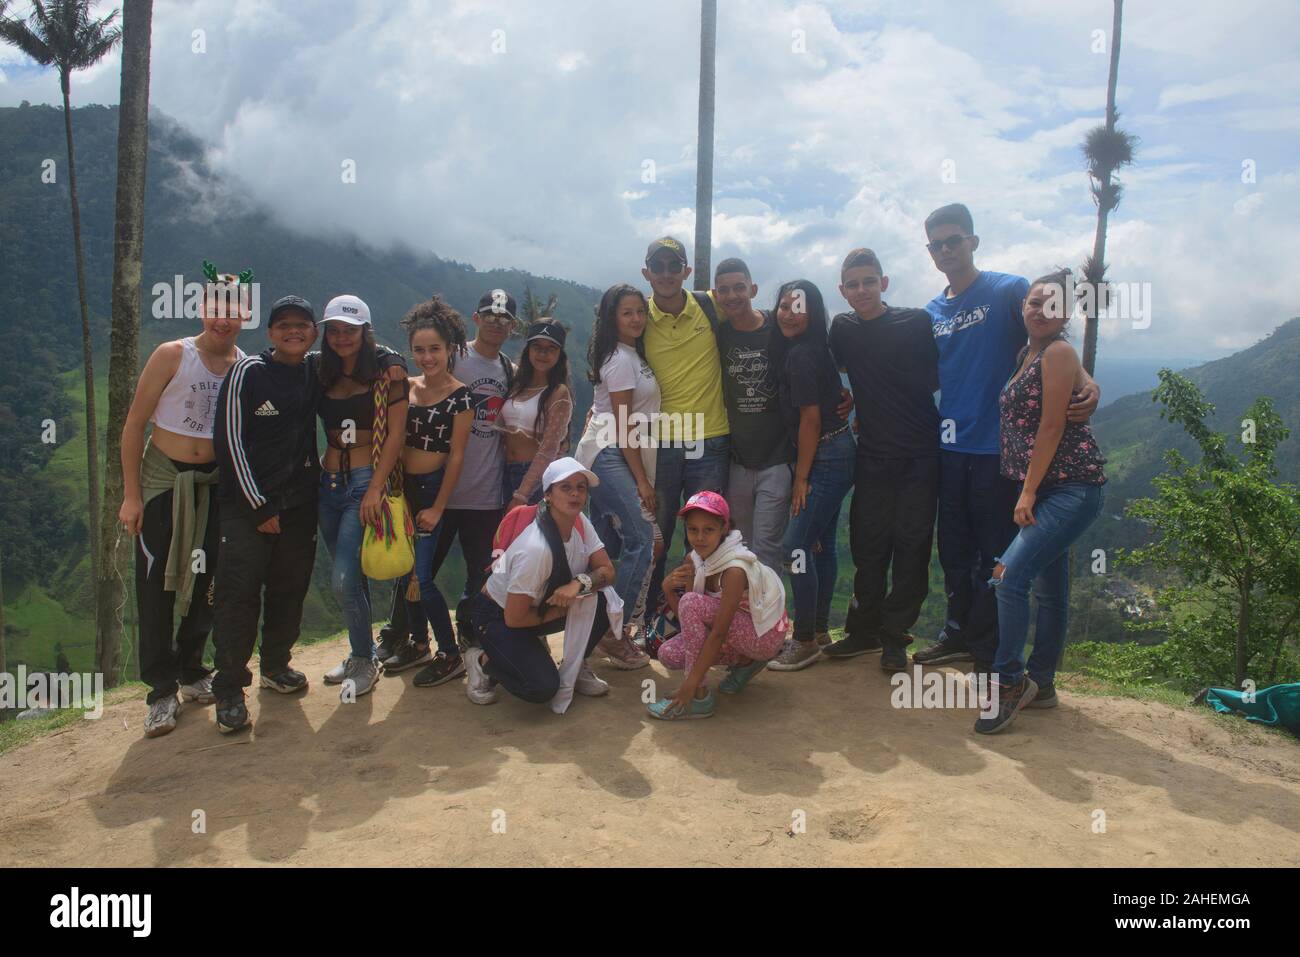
(421, 493)
(677, 478)
(1040, 557)
(339, 513)
(616, 510)
(519, 658)
(513, 477)
(813, 573)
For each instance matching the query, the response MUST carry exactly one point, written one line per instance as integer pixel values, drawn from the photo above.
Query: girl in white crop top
(534, 421)
(177, 393)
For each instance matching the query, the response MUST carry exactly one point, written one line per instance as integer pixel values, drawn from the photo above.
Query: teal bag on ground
(1277, 705)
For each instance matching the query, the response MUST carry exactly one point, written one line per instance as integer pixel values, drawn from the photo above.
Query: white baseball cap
(347, 309)
(563, 468)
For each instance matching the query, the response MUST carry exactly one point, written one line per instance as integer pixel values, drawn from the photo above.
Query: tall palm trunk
(4, 661)
(1103, 208)
(704, 145)
(128, 252)
(88, 353)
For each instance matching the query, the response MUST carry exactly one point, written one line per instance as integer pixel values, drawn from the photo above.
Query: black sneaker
(1011, 699)
(406, 656)
(232, 714)
(893, 657)
(440, 670)
(286, 681)
(943, 651)
(852, 645)
(1046, 697)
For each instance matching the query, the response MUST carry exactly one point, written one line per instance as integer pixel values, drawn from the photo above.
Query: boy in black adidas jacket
(265, 438)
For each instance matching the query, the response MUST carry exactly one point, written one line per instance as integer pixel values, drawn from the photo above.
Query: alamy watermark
(944, 689)
(42, 690)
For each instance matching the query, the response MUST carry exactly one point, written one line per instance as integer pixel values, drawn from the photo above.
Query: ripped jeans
(1040, 557)
(616, 507)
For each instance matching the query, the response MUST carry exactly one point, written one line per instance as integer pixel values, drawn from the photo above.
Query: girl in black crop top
(429, 427)
(438, 424)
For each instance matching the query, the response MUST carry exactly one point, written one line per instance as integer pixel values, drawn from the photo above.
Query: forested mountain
(1134, 438)
(191, 215)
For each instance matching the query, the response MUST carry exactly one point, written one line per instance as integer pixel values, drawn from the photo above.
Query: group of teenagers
(970, 414)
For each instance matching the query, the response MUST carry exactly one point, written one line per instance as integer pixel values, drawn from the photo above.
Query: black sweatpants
(976, 524)
(261, 576)
(167, 657)
(891, 530)
(476, 528)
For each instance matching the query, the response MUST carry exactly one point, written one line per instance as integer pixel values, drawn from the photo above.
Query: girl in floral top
(1060, 468)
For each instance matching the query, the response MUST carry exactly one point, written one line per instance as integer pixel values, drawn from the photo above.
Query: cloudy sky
(559, 136)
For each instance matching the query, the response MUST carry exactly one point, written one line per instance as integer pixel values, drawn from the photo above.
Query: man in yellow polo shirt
(695, 444)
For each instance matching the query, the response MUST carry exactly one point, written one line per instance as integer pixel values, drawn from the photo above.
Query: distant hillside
(1134, 438)
(1121, 376)
(190, 215)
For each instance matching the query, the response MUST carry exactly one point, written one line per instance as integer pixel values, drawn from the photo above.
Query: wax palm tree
(62, 34)
(128, 252)
(1106, 149)
(704, 144)
(533, 310)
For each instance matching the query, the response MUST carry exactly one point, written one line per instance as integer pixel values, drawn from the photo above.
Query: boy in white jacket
(732, 612)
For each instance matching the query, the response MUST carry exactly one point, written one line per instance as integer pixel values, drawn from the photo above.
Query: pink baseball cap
(710, 502)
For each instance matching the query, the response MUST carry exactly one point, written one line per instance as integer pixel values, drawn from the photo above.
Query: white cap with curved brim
(346, 309)
(563, 468)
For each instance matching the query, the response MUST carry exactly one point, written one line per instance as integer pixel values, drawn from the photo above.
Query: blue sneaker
(699, 708)
(740, 675)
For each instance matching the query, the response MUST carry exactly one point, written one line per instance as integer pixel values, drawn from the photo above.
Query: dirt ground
(813, 768)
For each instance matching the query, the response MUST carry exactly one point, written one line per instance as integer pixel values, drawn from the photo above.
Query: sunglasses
(670, 266)
(952, 242)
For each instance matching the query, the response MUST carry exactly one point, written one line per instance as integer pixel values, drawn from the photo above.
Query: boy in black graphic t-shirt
(758, 484)
(892, 364)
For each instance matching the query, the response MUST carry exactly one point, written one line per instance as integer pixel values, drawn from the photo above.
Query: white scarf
(766, 593)
(578, 622)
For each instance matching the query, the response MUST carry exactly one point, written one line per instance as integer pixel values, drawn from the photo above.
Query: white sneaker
(335, 675)
(162, 717)
(199, 691)
(589, 684)
(478, 686)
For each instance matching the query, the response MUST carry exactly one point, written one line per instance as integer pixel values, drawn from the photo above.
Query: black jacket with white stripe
(265, 434)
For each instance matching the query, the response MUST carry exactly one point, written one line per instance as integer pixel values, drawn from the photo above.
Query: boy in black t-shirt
(892, 363)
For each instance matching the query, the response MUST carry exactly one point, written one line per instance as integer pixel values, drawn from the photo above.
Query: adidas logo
(267, 409)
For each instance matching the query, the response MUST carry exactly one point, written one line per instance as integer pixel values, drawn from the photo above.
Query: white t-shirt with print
(525, 568)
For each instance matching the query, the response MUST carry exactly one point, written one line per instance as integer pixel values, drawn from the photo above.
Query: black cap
(286, 303)
(549, 330)
(497, 301)
(668, 243)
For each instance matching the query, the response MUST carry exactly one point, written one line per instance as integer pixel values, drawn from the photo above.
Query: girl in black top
(438, 423)
(352, 485)
(823, 473)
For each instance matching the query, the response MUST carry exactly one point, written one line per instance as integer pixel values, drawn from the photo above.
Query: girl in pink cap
(731, 607)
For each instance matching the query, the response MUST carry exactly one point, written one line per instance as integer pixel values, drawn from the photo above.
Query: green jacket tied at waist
(191, 494)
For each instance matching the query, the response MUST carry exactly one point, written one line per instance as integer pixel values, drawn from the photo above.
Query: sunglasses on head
(666, 265)
(952, 242)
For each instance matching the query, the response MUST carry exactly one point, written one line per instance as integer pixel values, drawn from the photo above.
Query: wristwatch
(584, 583)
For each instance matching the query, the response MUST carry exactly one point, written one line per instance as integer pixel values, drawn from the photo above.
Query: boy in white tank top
(177, 393)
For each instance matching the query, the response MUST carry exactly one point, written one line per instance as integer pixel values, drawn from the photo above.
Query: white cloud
(507, 133)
